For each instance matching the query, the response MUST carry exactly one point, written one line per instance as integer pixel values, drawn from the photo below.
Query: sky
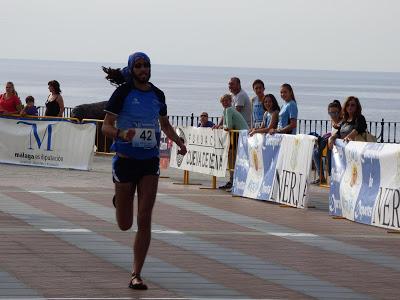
(359, 35)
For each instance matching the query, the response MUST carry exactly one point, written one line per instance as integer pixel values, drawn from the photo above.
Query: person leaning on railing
(232, 119)
(288, 114)
(270, 117)
(353, 122)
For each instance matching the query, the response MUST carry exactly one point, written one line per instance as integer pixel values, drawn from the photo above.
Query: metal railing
(385, 132)
(67, 111)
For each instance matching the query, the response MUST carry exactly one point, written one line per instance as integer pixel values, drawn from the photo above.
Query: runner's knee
(124, 226)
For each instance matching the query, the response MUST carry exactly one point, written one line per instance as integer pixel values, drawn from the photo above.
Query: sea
(194, 89)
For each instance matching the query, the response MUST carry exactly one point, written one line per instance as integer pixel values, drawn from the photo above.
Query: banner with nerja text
(274, 168)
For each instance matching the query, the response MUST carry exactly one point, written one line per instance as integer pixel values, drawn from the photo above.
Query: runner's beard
(139, 78)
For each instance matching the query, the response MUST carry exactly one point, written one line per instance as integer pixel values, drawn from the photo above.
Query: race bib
(144, 138)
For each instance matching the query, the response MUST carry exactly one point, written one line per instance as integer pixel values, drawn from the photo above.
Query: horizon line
(207, 66)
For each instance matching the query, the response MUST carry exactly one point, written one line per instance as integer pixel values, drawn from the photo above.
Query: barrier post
(101, 141)
(185, 177)
(214, 182)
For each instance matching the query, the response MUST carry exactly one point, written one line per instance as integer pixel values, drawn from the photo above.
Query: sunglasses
(139, 65)
(333, 113)
(203, 116)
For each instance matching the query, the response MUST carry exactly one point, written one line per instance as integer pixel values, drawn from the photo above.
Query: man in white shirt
(240, 99)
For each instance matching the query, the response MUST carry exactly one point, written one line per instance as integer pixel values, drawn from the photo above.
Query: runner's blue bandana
(127, 71)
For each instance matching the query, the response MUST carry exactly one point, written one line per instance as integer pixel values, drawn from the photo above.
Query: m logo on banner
(39, 141)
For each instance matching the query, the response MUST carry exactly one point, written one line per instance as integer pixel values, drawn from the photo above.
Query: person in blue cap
(134, 114)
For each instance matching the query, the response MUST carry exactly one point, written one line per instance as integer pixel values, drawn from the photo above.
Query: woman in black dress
(55, 102)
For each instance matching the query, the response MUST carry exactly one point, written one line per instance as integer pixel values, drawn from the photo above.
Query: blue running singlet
(140, 110)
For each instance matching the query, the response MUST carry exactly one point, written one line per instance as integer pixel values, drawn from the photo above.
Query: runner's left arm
(171, 134)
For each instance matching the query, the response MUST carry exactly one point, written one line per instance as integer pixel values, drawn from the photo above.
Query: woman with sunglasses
(134, 114)
(353, 122)
(334, 111)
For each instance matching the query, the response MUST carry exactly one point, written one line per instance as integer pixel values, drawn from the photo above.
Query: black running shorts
(132, 170)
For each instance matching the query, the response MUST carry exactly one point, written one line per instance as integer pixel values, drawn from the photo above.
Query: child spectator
(334, 111)
(30, 108)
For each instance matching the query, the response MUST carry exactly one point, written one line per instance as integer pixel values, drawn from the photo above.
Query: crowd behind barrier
(385, 132)
(377, 216)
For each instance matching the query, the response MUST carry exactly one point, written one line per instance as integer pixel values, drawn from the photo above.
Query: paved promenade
(59, 240)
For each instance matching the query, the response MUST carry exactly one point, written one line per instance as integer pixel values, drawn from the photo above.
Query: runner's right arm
(111, 131)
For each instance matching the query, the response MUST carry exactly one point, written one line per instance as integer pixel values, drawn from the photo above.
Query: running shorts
(126, 170)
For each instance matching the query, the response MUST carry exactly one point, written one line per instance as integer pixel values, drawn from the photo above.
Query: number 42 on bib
(144, 138)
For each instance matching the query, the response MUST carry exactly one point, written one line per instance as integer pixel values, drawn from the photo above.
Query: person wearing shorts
(134, 114)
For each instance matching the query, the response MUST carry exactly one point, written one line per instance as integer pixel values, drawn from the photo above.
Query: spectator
(270, 117)
(232, 120)
(204, 122)
(240, 99)
(9, 101)
(30, 108)
(55, 102)
(257, 104)
(288, 115)
(353, 122)
(334, 109)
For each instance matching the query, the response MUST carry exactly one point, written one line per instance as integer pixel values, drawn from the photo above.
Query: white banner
(256, 164)
(293, 169)
(207, 151)
(48, 143)
(365, 183)
(274, 167)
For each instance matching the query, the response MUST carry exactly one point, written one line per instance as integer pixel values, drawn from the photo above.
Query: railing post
(382, 129)
(191, 120)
